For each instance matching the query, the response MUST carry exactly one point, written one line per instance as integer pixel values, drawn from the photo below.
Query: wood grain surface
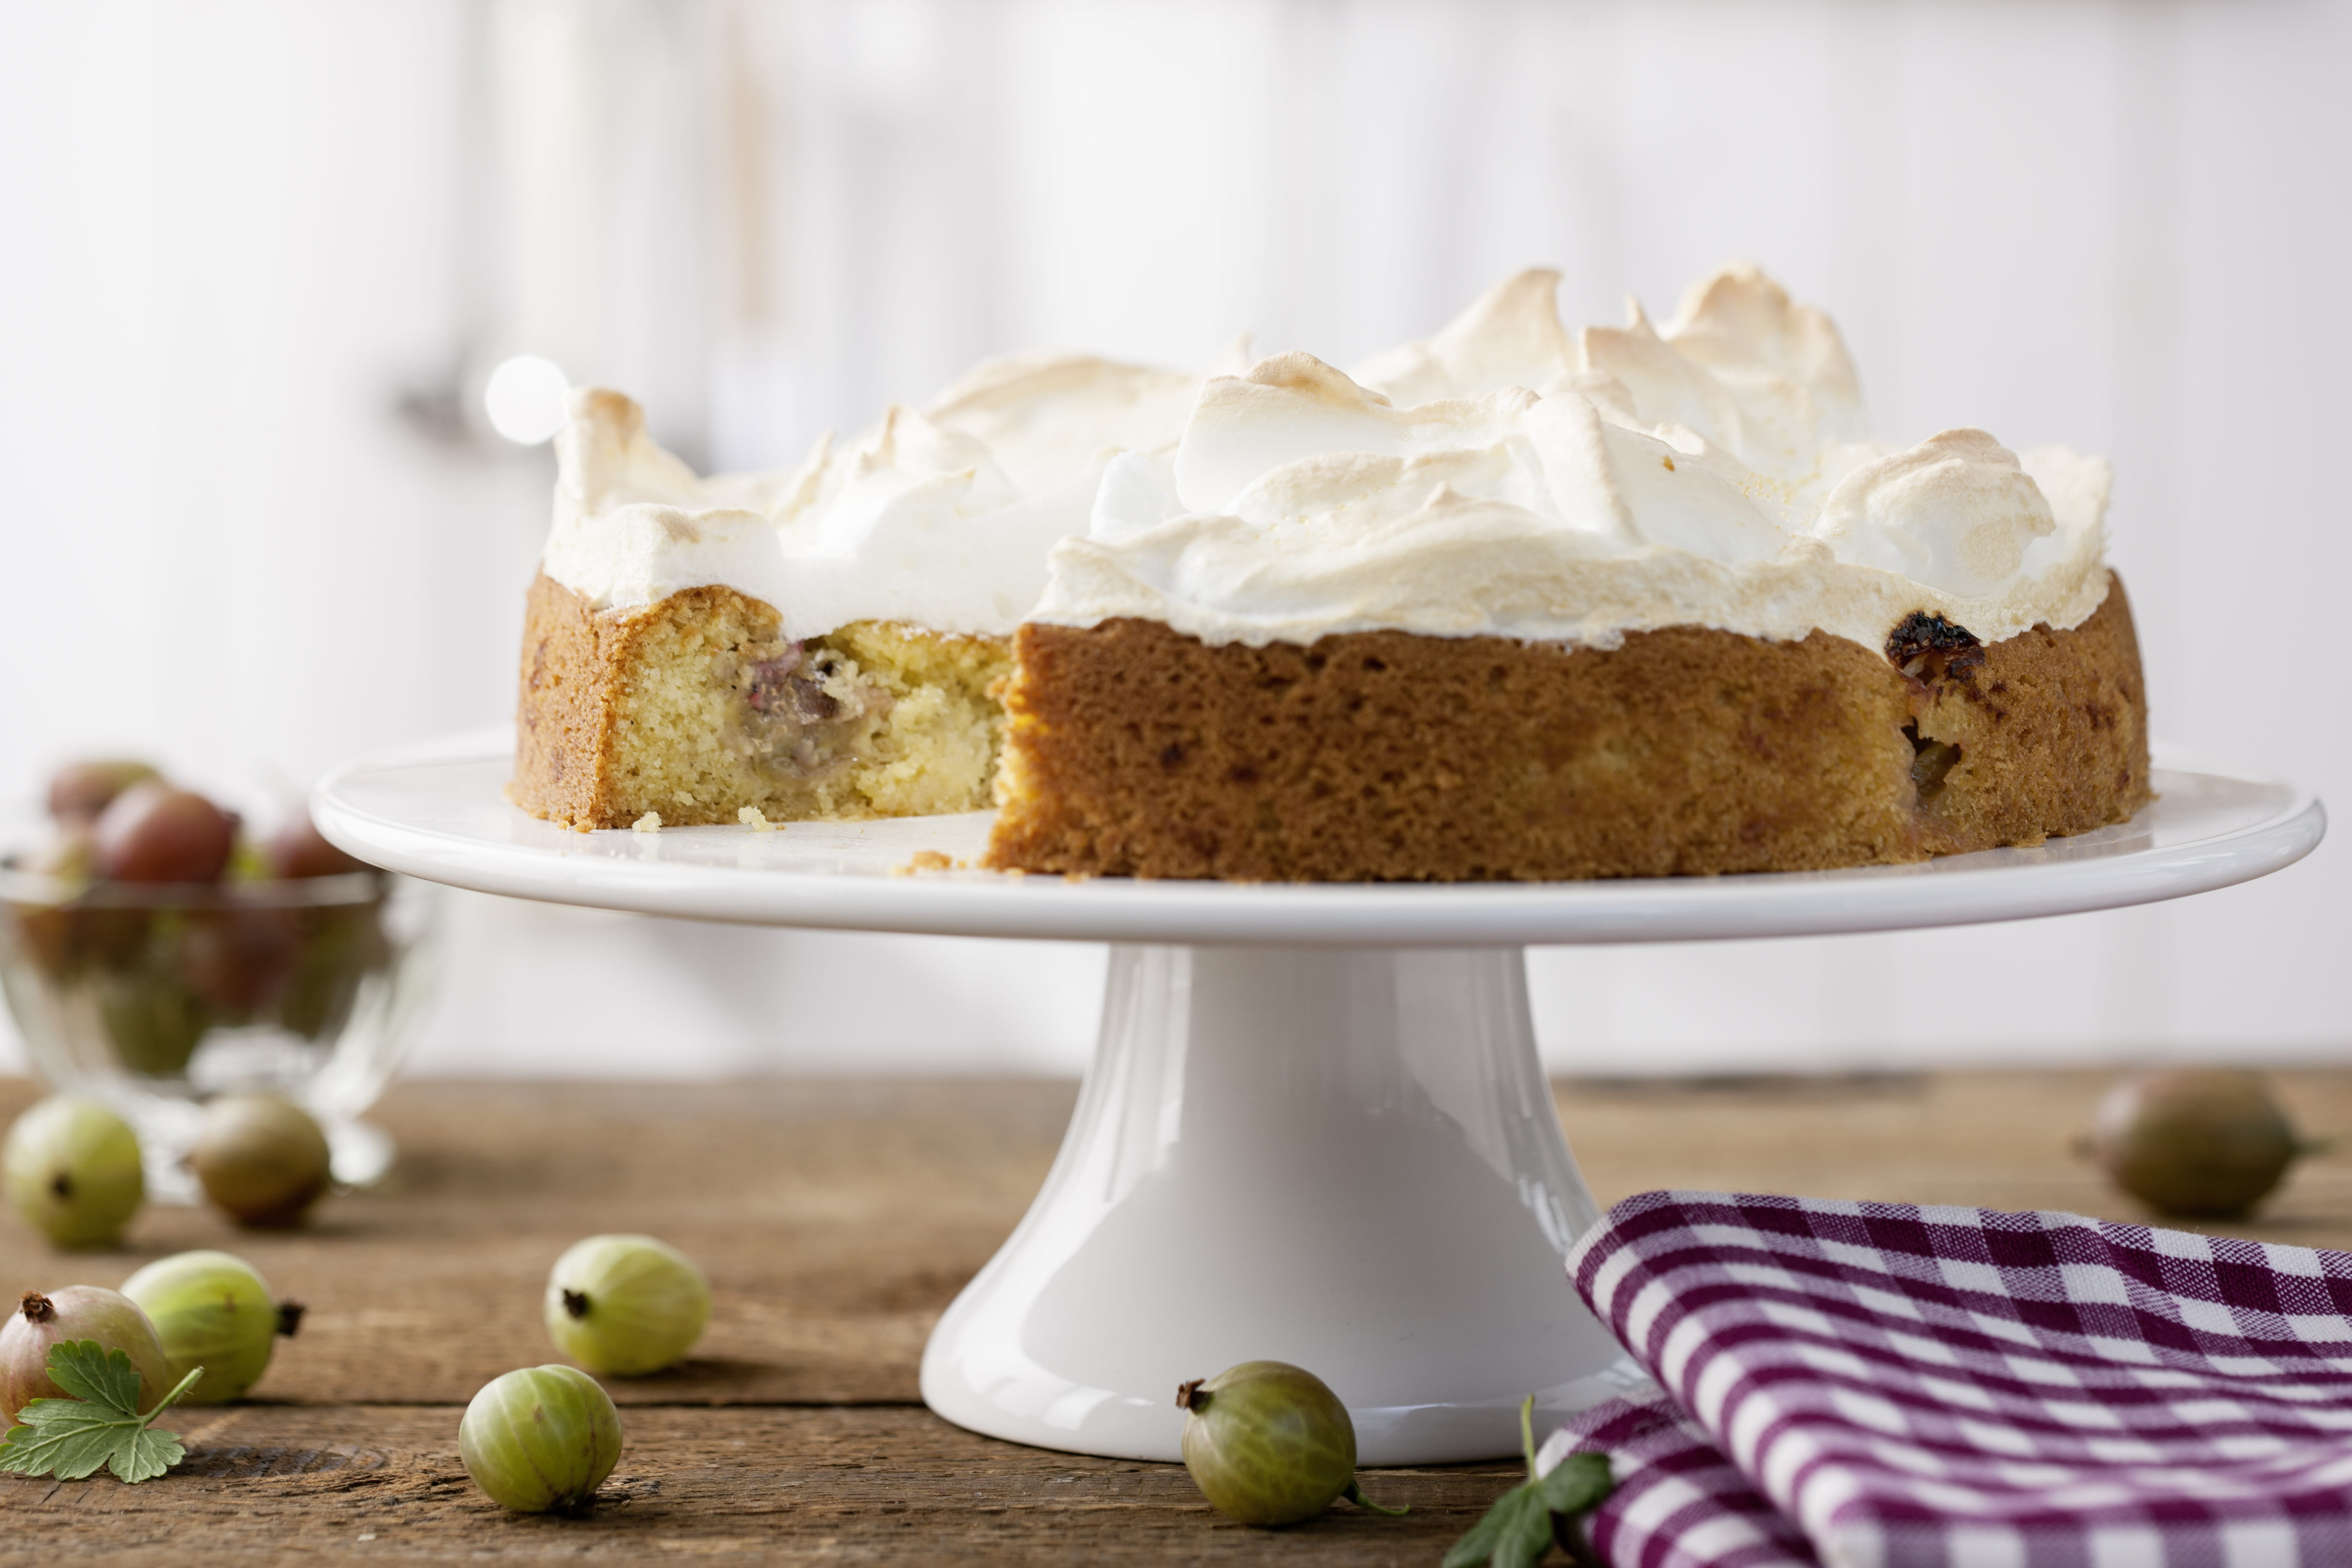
(836, 1220)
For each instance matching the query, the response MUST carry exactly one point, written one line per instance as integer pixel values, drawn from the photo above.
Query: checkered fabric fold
(1950, 1387)
(1677, 1501)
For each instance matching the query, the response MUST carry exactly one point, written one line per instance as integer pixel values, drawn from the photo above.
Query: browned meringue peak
(1741, 365)
(1510, 336)
(1744, 366)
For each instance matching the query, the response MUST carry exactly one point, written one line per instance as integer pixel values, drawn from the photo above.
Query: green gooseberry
(213, 1311)
(72, 1170)
(625, 1305)
(542, 1440)
(1269, 1443)
(154, 1021)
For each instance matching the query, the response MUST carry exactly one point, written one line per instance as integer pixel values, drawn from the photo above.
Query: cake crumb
(929, 861)
(649, 823)
(752, 818)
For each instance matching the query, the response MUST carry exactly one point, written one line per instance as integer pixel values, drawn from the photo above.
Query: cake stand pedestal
(1316, 1129)
(1344, 1160)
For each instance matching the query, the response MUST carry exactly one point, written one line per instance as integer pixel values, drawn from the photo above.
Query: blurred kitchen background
(260, 259)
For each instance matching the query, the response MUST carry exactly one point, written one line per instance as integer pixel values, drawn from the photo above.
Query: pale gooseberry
(625, 1305)
(213, 1311)
(72, 1171)
(540, 1439)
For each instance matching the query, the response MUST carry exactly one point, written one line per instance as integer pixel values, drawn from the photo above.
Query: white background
(257, 258)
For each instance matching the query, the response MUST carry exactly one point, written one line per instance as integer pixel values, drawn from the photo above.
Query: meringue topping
(1505, 478)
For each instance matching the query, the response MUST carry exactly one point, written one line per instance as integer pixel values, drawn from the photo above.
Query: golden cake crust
(572, 659)
(621, 713)
(1137, 750)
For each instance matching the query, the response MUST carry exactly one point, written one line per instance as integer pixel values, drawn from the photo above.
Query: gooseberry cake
(1518, 603)
(820, 643)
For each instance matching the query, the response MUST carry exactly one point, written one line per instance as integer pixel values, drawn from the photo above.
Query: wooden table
(836, 1220)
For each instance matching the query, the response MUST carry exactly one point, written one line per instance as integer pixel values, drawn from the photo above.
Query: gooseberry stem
(1528, 1434)
(169, 1400)
(1355, 1494)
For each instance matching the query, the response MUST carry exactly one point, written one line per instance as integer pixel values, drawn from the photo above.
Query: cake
(1514, 602)
(817, 644)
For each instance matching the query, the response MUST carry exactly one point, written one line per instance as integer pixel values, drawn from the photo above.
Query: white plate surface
(437, 810)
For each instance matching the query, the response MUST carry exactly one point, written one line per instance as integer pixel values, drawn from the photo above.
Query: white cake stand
(1316, 1129)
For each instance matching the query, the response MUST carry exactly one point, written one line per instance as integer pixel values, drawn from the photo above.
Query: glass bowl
(155, 996)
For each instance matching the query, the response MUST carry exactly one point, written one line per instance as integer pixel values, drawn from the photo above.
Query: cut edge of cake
(695, 708)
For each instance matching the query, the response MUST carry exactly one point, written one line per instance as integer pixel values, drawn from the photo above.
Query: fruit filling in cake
(1518, 603)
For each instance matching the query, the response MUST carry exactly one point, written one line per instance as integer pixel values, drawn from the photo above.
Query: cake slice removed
(697, 707)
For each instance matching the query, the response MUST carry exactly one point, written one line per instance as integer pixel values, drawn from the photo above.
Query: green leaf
(1576, 1483)
(73, 1439)
(1513, 1532)
(88, 1370)
(1479, 1544)
(147, 1454)
(63, 1437)
(1526, 1533)
(1517, 1531)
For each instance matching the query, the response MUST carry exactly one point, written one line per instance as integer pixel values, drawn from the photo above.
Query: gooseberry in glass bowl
(153, 956)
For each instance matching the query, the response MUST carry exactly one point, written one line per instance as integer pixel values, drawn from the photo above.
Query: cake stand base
(1344, 1160)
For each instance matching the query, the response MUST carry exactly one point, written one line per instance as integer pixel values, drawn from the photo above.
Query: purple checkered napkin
(1950, 1387)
